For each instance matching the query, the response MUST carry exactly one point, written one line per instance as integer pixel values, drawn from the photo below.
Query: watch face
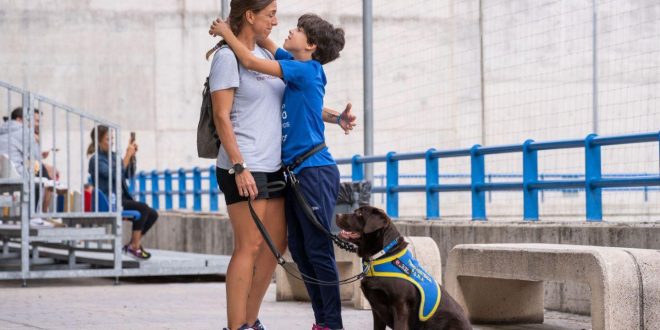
(238, 168)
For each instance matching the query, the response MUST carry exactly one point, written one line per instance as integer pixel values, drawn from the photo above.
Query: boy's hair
(329, 40)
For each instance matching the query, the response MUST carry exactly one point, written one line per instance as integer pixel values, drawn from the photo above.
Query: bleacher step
(41, 234)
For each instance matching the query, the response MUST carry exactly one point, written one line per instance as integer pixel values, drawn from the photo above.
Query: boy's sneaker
(258, 325)
(322, 327)
(139, 253)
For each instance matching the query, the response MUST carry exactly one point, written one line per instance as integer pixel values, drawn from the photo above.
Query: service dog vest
(402, 265)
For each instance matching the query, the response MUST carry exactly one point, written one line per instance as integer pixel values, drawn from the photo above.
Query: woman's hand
(347, 119)
(219, 28)
(246, 185)
(131, 150)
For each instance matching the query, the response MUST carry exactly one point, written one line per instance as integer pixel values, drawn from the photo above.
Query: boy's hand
(219, 28)
(347, 119)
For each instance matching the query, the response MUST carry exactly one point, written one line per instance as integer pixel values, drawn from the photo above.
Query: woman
(106, 167)
(246, 107)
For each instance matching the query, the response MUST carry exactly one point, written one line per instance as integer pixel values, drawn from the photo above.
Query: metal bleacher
(62, 239)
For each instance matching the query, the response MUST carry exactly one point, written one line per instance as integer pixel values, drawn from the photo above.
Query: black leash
(342, 244)
(279, 185)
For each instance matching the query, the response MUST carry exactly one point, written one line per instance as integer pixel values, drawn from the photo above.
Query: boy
(311, 44)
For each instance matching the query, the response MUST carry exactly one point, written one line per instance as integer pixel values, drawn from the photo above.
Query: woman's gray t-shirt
(255, 115)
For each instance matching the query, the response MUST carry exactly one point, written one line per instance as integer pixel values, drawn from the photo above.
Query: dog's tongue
(348, 234)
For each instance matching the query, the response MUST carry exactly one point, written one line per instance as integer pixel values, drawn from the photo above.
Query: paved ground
(167, 304)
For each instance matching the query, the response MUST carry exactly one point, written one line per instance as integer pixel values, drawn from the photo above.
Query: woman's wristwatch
(238, 168)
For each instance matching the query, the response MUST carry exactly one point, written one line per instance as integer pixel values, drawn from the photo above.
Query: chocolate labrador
(395, 281)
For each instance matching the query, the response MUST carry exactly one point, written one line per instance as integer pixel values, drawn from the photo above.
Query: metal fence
(593, 181)
(41, 121)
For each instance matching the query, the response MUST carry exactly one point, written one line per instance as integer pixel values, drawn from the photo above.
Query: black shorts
(227, 184)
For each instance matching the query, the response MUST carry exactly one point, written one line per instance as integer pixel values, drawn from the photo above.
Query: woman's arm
(130, 152)
(222, 102)
(244, 55)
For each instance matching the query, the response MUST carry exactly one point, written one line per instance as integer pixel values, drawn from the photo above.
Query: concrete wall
(211, 233)
(439, 83)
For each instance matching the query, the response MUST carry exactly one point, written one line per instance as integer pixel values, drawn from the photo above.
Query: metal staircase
(23, 243)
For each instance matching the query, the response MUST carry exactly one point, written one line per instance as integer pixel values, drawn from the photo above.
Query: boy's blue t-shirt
(302, 107)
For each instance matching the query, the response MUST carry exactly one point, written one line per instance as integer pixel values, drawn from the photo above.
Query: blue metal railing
(481, 184)
(182, 177)
(593, 181)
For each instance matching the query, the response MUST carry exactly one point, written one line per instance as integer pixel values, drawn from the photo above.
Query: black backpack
(208, 141)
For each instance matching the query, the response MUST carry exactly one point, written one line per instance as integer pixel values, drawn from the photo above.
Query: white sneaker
(36, 222)
(39, 222)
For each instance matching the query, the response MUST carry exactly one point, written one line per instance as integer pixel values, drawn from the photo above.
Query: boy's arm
(346, 119)
(268, 44)
(243, 54)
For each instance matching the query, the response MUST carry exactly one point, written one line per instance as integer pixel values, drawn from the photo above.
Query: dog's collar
(386, 249)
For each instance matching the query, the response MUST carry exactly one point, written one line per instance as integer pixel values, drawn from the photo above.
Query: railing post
(357, 169)
(432, 179)
(155, 203)
(477, 175)
(392, 170)
(182, 189)
(592, 169)
(168, 190)
(530, 174)
(142, 178)
(197, 189)
(213, 189)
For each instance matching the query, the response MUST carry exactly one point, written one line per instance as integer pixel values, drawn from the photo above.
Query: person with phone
(106, 168)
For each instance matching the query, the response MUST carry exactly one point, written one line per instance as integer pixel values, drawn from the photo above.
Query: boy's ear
(310, 47)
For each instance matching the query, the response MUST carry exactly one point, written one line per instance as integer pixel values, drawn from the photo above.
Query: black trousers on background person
(148, 216)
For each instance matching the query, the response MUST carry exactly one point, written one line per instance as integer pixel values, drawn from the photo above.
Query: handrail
(592, 180)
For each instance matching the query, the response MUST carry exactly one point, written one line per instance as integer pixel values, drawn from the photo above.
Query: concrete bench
(503, 283)
(349, 264)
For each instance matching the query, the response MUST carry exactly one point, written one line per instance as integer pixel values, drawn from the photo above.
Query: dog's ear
(375, 220)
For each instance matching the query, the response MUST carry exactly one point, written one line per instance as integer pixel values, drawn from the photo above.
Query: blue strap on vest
(404, 266)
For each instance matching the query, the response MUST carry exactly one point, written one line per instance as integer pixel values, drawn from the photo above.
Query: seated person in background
(42, 169)
(11, 139)
(106, 166)
(11, 144)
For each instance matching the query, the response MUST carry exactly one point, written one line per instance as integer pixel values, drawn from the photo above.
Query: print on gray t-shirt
(255, 115)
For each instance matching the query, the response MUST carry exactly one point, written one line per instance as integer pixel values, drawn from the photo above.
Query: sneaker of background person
(137, 253)
(39, 222)
(145, 252)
